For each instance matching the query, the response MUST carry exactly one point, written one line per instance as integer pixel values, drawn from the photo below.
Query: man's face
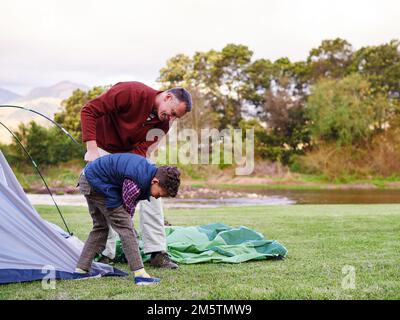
(170, 108)
(156, 190)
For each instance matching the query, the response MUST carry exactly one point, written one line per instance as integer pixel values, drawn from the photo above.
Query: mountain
(46, 100)
(6, 95)
(61, 90)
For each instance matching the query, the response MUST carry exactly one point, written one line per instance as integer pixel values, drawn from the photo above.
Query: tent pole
(40, 174)
(44, 116)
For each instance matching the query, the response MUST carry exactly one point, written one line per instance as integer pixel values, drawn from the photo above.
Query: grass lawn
(321, 240)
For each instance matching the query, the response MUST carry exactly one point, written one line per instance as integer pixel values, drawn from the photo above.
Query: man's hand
(92, 152)
(91, 155)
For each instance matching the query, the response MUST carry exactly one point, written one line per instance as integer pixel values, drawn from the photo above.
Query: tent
(29, 244)
(214, 243)
(220, 243)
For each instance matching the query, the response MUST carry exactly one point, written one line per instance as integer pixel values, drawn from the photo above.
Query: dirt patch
(185, 192)
(394, 184)
(54, 190)
(244, 181)
(352, 186)
(188, 192)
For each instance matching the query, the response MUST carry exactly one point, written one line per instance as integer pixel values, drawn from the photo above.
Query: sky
(102, 42)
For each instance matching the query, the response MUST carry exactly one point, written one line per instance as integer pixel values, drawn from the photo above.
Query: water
(254, 197)
(351, 196)
(79, 200)
(235, 202)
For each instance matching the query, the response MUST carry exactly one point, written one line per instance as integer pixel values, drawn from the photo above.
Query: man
(118, 121)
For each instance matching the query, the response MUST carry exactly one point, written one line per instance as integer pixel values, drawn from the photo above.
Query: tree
(344, 111)
(202, 115)
(180, 72)
(35, 139)
(285, 116)
(177, 73)
(218, 76)
(231, 78)
(354, 94)
(47, 146)
(381, 66)
(259, 76)
(70, 117)
(330, 60)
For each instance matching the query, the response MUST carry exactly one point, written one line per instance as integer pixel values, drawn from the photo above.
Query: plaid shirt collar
(130, 195)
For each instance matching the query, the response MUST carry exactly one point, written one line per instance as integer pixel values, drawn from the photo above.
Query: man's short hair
(183, 96)
(169, 178)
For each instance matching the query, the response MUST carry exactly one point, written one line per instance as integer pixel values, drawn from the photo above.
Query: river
(245, 197)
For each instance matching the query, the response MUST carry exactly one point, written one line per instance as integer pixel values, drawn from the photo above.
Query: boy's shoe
(162, 260)
(144, 281)
(88, 275)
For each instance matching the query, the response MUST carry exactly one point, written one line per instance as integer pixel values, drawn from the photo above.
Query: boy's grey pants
(151, 224)
(103, 219)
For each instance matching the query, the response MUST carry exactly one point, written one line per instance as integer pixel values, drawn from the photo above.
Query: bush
(380, 157)
(346, 112)
(47, 146)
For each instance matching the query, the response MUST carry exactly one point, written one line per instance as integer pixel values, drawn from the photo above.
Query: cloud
(91, 42)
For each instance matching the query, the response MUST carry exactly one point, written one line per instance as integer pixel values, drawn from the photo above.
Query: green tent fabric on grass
(214, 243)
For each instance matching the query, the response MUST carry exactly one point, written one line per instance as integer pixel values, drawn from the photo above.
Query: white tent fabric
(28, 243)
(2, 177)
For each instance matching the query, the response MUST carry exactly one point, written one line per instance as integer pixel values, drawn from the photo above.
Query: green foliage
(376, 158)
(70, 117)
(259, 75)
(267, 144)
(50, 146)
(344, 111)
(381, 66)
(47, 146)
(337, 95)
(191, 171)
(177, 71)
(262, 141)
(219, 78)
(227, 85)
(330, 60)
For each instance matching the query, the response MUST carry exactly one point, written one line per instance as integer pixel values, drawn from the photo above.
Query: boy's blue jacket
(107, 174)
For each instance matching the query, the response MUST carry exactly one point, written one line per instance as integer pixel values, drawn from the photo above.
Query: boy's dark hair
(169, 178)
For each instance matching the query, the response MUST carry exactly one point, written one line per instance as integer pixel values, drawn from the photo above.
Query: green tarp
(215, 242)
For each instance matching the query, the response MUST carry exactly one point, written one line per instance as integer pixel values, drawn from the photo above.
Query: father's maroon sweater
(118, 119)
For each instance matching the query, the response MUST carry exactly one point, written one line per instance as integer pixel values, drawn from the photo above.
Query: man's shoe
(104, 259)
(144, 281)
(162, 260)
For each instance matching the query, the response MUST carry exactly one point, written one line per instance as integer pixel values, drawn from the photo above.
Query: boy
(113, 185)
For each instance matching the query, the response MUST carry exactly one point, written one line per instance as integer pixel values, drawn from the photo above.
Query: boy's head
(166, 182)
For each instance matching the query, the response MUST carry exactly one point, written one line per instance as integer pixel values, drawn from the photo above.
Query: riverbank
(214, 198)
(295, 181)
(62, 180)
(230, 188)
